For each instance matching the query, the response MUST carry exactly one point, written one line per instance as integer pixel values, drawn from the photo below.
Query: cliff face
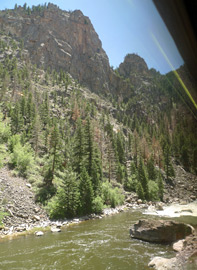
(67, 40)
(61, 40)
(135, 69)
(133, 64)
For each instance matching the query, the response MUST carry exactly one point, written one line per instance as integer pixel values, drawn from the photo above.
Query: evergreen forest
(82, 151)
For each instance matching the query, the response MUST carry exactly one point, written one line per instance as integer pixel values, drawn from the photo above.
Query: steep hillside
(84, 148)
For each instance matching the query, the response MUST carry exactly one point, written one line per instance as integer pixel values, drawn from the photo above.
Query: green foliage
(142, 178)
(3, 154)
(86, 192)
(13, 141)
(151, 169)
(22, 158)
(168, 164)
(97, 205)
(78, 148)
(121, 173)
(4, 130)
(111, 196)
(65, 131)
(131, 183)
(66, 202)
(140, 191)
(161, 187)
(153, 191)
(17, 120)
(120, 148)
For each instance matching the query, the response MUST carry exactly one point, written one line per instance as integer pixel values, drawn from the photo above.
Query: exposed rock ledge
(160, 231)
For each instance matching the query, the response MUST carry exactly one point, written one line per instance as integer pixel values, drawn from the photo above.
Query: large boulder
(160, 231)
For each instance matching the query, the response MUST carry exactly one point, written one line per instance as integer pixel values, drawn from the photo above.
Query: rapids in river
(99, 244)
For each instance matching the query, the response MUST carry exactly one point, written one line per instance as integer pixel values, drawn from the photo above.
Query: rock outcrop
(135, 69)
(133, 64)
(160, 231)
(60, 40)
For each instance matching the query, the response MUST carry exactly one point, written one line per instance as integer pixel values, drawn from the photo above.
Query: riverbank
(25, 216)
(46, 225)
(150, 208)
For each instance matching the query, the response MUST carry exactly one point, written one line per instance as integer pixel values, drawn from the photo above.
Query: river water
(99, 244)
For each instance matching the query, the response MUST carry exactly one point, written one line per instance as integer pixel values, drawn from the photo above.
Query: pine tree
(79, 153)
(17, 121)
(92, 159)
(111, 160)
(53, 156)
(44, 113)
(55, 146)
(88, 147)
(140, 191)
(151, 169)
(97, 173)
(120, 148)
(135, 147)
(25, 6)
(66, 202)
(36, 139)
(86, 192)
(143, 179)
(121, 173)
(168, 164)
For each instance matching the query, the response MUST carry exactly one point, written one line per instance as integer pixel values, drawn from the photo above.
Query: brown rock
(160, 231)
(133, 64)
(61, 40)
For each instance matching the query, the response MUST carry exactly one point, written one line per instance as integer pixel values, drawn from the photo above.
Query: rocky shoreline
(47, 224)
(42, 222)
(182, 236)
(25, 216)
(185, 259)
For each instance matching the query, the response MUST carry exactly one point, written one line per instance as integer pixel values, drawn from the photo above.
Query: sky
(124, 26)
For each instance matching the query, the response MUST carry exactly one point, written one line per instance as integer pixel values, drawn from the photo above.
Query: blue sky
(124, 26)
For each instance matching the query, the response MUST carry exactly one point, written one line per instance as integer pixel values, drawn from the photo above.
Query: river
(99, 244)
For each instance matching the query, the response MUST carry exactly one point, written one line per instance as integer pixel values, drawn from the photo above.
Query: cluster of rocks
(24, 214)
(18, 201)
(165, 231)
(56, 226)
(181, 189)
(186, 257)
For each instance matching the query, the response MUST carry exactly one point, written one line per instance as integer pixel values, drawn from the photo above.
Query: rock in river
(39, 233)
(55, 229)
(160, 231)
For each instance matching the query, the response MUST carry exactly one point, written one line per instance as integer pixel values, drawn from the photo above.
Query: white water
(174, 210)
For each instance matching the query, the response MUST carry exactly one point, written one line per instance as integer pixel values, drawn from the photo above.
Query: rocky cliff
(60, 40)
